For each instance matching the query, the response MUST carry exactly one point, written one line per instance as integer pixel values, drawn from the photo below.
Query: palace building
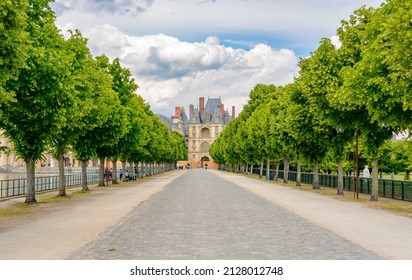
(203, 125)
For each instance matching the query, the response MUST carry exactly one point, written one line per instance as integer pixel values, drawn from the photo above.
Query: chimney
(177, 112)
(191, 109)
(222, 110)
(201, 105)
(233, 112)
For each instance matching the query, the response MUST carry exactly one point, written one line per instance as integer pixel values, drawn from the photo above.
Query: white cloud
(173, 73)
(182, 17)
(149, 38)
(335, 41)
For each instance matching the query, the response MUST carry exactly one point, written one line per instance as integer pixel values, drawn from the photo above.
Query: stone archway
(204, 161)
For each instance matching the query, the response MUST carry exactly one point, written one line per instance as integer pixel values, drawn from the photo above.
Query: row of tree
(360, 92)
(56, 97)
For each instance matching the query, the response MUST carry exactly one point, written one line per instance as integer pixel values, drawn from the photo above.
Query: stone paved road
(202, 216)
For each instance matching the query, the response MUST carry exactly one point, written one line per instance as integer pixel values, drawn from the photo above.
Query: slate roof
(212, 111)
(195, 117)
(166, 120)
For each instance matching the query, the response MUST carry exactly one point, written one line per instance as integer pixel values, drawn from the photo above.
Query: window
(205, 133)
(204, 148)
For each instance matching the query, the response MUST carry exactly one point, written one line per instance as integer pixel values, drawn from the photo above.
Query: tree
(178, 145)
(358, 93)
(397, 157)
(124, 85)
(36, 111)
(97, 85)
(263, 136)
(79, 116)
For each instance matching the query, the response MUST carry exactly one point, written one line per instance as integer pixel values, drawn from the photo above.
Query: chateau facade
(203, 125)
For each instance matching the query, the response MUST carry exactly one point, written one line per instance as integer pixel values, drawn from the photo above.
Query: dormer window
(217, 118)
(208, 117)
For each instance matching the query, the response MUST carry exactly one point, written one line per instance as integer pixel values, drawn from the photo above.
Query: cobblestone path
(202, 216)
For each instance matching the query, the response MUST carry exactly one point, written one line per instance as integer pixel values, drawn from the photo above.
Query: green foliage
(382, 76)
(178, 145)
(14, 46)
(396, 156)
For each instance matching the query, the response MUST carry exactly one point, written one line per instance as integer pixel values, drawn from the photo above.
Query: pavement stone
(200, 216)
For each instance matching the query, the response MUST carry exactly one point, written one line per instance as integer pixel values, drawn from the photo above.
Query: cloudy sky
(180, 50)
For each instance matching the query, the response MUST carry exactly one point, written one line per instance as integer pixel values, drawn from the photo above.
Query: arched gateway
(205, 161)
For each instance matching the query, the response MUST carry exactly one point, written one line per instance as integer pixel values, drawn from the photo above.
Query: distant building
(178, 122)
(206, 122)
(203, 125)
(9, 161)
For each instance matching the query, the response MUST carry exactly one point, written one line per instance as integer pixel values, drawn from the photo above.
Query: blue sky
(179, 50)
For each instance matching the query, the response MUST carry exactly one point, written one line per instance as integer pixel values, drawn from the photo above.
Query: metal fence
(396, 189)
(16, 187)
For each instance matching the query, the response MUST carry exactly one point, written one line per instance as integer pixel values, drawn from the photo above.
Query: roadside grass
(399, 207)
(400, 176)
(16, 206)
(17, 209)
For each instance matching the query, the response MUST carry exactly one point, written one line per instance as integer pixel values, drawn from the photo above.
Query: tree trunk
(123, 171)
(114, 179)
(407, 175)
(141, 170)
(375, 182)
(340, 177)
(31, 188)
(136, 166)
(286, 161)
(316, 175)
(261, 168)
(299, 172)
(101, 173)
(276, 171)
(268, 169)
(84, 176)
(62, 181)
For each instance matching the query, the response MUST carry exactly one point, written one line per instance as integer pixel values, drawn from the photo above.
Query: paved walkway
(54, 230)
(206, 214)
(202, 216)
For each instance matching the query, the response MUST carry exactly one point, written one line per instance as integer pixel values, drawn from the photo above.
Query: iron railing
(395, 189)
(16, 187)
